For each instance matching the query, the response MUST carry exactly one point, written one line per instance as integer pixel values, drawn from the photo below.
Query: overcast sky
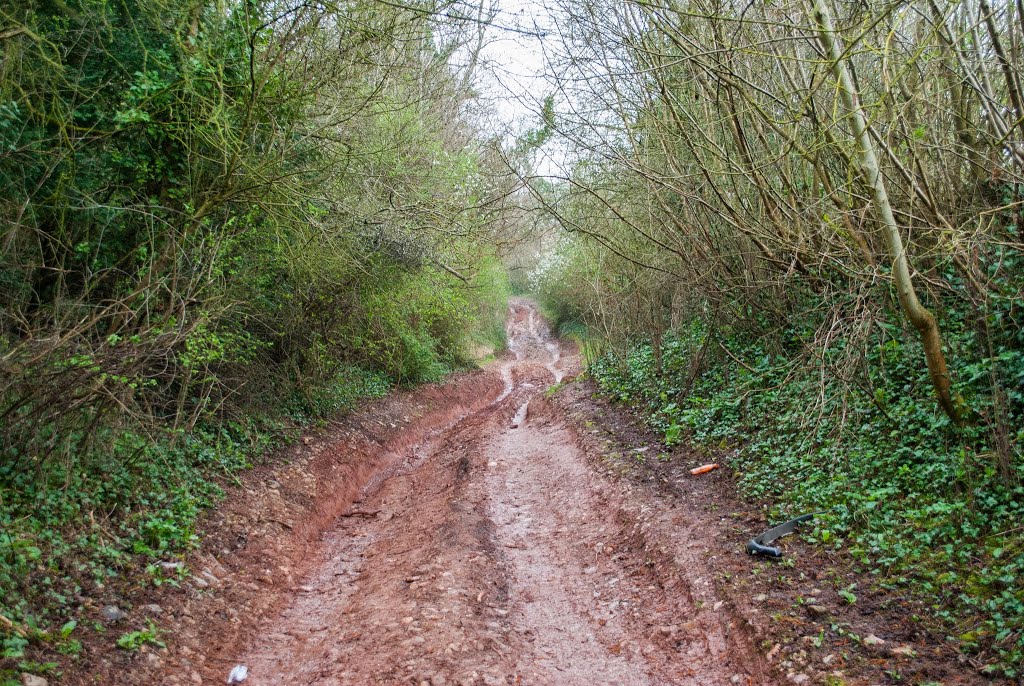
(510, 76)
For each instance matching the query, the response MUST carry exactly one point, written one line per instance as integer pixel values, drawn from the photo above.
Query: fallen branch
(11, 626)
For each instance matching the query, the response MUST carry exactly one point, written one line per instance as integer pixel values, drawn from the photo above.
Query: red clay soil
(489, 555)
(482, 532)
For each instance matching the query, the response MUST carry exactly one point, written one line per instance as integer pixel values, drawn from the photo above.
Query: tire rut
(492, 554)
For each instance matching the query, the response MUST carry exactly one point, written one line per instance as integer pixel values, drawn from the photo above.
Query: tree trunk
(919, 316)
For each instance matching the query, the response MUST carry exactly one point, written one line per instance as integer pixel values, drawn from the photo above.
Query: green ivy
(917, 503)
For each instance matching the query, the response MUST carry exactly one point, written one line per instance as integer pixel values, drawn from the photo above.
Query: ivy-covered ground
(920, 506)
(110, 518)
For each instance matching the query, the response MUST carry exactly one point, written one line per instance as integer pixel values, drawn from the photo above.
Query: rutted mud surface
(464, 533)
(491, 553)
(481, 532)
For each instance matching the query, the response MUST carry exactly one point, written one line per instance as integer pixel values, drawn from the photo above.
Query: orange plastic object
(704, 469)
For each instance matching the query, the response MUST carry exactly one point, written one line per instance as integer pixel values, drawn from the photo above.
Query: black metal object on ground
(759, 544)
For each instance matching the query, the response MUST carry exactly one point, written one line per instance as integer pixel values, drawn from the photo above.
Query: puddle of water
(520, 417)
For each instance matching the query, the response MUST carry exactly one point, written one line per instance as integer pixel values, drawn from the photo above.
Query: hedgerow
(914, 501)
(220, 222)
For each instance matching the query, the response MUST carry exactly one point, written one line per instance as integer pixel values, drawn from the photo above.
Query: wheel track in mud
(491, 553)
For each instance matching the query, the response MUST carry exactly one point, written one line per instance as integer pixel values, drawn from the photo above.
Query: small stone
(153, 659)
(828, 659)
(760, 598)
(799, 678)
(218, 569)
(873, 641)
(152, 609)
(200, 582)
(717, 606)
(817, 610)
(238, 674)
(112, 614)
(32, 680)
(736, 679)
(904, 651)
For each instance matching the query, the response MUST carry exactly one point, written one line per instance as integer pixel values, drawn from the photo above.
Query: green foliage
(491, 289)
(133, 640)
(917, 503)
(88, 526)
(534, 139)
(219, 221)
(341, 393)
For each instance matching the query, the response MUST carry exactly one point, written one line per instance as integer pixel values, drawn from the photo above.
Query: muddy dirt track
(493, 529)
(491, 552)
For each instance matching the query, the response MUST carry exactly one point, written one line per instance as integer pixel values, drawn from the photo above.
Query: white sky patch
(511, 77)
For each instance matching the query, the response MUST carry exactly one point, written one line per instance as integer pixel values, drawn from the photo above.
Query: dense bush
(217, 221)
(811, 214)
(914, 500)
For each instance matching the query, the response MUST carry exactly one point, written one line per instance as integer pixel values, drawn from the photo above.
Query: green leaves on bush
(918, 503)
(221, 224)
